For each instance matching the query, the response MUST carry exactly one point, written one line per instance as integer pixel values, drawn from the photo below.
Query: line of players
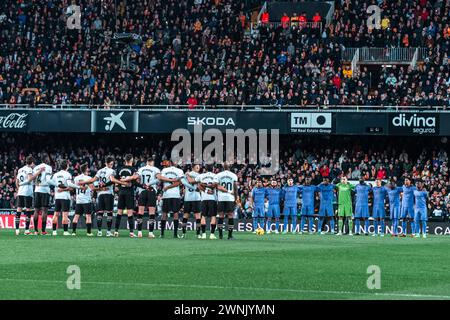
(411, 208)
(205, 195)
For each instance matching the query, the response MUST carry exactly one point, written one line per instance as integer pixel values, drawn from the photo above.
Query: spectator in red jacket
(285, 20)
(265, 17)
(337, 81)
(317, 19)
(302, 19)
(381, 174)
(324, 171)
(192, 102)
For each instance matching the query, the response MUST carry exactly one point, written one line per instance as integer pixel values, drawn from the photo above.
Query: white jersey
(172, 173)
(226, 179)
(42, 180)
(23, 174)
(104, 175)
(83, 196)
(207, 178)
(146, 175)
(62, 178)
(191, 192)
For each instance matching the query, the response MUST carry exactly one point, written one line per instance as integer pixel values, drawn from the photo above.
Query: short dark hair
(29, 160)
(109, 159)
(84, 167)
(150, 159)
(64, 164)
(45, 159)
(128, 157)
(209, 167)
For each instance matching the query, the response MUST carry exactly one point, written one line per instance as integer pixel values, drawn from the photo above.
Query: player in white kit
(192, 200)
(62, 180)
(24, 184)
(171, 196)
(83, 200)
(207, 183)
(226, 196)
(42, 193)
(105, 195)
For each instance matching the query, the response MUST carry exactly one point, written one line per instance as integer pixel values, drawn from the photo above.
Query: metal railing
(293, 25)
(380, 55)
(174, 108)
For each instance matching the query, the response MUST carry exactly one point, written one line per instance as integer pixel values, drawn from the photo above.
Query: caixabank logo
(312, 122)
(414, 123)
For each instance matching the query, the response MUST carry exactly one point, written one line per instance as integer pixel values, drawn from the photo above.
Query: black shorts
(126, 201)
(147, 198)
(209, 208)
(62, 205)
(225, 206)
(105, 202)
(171, 205)
(41, 200)
(83, 208)
(24, 202)
(192, 207)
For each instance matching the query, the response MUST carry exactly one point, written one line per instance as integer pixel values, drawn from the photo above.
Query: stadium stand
(204, 51)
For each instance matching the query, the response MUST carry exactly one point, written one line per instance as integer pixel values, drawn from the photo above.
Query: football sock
(286, 222)
(89, 227)
(413, 227)
(17, 220)
(131, 223)
(375, 226)
(366, 226)
(109, 219)
(99, 221)
(36, 223)
(184, 224)
(302, 223)
(394, 226)
(140, 221)
(197, 225)
(28, 220)
(176, 222)
(44, 221)
(54, 227)
(350, 225)
(74, 227)
(66, 227)
(340, 225)
(310, 224)
(332, 224)
(357, 226)
(383, 226)
(424, 227)
(404, 226)
(320, 224)
(213, 228)
(294, 223)
(118, 218)
(277, 224)
(255, 224)
(268, 224)
(163, 226)
(230, 227)
(220, 226)
(262, 223)
(203, 228)
(151, 223)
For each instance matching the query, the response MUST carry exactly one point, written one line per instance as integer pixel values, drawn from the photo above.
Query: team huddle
(407, 203)
(206, 195)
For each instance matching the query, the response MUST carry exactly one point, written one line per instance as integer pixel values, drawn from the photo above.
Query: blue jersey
(421, 199)
(290, 194)
(362, 195)
(274, 196)
(326, 192)
(394, 196)
(308, 193)
(259, 195)
(408, 196)
(379, 194)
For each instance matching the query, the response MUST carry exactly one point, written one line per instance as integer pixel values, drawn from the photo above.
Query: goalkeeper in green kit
(345, 210)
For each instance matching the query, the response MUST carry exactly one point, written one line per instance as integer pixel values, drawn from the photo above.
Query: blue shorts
(307, 210)
(326, 211)
(274, 211)
(378, 212)
(290, 211)
(394, 212)
(420, 214)
(361, 211)
(406, 212)
(258, 212)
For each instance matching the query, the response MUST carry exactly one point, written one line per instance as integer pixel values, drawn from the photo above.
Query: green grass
(252, 267)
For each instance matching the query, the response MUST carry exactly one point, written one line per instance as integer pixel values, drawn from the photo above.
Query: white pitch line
(169, 285)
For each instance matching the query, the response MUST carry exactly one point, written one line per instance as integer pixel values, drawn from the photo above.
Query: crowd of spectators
(312, 157)
(197, 52)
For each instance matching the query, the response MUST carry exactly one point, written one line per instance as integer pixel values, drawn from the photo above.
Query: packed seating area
(199, 52)
(367, 157)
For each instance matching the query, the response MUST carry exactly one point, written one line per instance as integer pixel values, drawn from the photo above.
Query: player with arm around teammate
(227, 196)
(378, 210)
(192, 200)
(24, 184)
(42, 193)
(290, 195)
(326, 192)
(308, 192)
(273, 195)
(407, 207)
(362, 190)
(83, 200)
(420, 210)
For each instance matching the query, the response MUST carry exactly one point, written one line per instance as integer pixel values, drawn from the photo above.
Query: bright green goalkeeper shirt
(345, 193)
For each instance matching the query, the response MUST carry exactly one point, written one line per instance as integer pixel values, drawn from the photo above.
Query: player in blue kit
(290, 194)
(362, 206)
(308, 192)
(407, 208)
(378, 211)
(326, 212)
(420, 210)
(257, 200)
(394, 205)
(273, 194)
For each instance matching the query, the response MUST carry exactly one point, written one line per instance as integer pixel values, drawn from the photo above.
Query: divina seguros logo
(13, 121)
(417, 123)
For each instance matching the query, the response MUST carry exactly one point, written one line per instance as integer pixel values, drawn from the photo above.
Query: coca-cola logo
(13, 121)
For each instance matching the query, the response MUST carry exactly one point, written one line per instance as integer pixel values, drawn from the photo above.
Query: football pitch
(251, 267)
